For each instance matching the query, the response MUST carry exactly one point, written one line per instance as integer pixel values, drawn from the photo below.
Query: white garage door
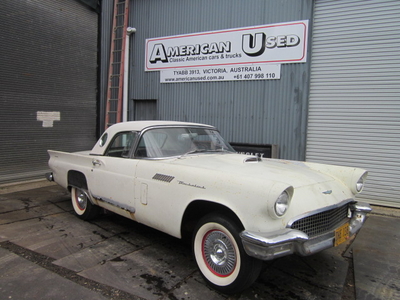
(354, 107)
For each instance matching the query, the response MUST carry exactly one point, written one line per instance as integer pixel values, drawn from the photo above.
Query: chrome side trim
(115, 203)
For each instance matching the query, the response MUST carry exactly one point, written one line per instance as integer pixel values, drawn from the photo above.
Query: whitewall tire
(220, 256)
(83, 208)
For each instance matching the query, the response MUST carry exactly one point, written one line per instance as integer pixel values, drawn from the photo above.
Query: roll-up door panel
(354, 104)
(48, 81)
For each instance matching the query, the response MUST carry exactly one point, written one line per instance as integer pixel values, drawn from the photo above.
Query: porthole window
(103, 140)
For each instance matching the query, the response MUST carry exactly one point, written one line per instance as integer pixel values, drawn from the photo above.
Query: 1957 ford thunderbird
(185, 180)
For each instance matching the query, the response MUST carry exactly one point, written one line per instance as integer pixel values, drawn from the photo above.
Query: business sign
(221, 73)
(273, 43)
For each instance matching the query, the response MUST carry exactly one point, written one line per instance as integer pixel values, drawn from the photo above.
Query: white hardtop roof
(139, 126)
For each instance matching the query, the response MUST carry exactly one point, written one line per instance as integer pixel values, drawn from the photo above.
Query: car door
(157, 190)
(113, 174)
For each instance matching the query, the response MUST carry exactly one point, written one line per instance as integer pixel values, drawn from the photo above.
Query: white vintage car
(185, 180)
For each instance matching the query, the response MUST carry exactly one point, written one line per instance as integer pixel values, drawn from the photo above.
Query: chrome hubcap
(81, 199)
(219, 253)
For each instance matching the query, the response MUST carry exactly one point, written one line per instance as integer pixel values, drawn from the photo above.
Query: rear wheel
(220, 256)
(83, 208)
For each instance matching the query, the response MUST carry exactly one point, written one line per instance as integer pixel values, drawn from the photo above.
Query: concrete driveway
(48, 253)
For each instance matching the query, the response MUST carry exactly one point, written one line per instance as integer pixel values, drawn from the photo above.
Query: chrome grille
(322, 222)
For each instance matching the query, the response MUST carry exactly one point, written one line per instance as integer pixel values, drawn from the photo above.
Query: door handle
(96, 162)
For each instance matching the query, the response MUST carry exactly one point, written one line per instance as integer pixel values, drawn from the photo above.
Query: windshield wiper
(206, 150)
(196, 151)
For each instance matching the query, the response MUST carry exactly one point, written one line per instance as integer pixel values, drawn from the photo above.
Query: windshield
(177, 141)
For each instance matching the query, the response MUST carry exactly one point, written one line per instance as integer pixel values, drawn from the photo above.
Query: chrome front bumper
(271, 245)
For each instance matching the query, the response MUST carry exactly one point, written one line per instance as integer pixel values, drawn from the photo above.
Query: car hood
(294, 173)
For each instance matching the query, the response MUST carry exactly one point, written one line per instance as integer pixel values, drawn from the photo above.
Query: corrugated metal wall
(260, 112)
(48, 70)
(354, 114)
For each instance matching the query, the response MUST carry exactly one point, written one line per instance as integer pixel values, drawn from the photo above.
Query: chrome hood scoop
(252, 159)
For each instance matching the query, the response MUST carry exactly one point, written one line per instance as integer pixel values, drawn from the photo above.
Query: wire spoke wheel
(220, 256)
(219, 253)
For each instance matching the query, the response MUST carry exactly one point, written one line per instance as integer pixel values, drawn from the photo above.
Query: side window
(151, 144)
(121, 144)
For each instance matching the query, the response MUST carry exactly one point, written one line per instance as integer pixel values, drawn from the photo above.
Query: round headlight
(282, 204)
(360, 184)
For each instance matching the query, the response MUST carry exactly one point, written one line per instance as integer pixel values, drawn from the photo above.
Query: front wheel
(220, 256)
(83, 208)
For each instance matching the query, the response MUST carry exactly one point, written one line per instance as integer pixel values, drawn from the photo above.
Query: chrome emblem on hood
(328, 192)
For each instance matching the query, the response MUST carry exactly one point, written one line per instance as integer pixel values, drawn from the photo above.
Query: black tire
(83, 208)
(220, 256)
